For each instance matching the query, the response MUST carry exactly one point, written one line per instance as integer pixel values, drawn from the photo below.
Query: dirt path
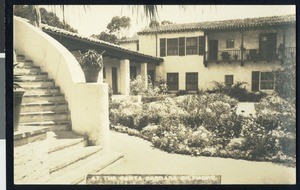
(141, 158)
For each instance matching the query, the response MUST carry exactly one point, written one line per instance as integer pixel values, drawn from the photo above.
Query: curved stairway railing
(88, 102)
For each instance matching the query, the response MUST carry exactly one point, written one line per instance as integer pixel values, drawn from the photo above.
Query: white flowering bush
(208, 125)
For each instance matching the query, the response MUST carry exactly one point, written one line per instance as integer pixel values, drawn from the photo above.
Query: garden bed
(208, 125)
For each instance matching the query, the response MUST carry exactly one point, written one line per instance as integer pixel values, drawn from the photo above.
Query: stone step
(26, 135)
(20, 58)
(36, 84)
(40, 76)
(56, 163)
(30, 163)
(44, 116)
(53, 125)
(42, 90)
(22, 71)
(43, 98)
(62, 141)
(24, 63)
(44, 106)
(78, 173)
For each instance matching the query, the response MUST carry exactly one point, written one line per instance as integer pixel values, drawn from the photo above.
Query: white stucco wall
(217, 72)
(214, 71)
(147, 44)
(129, 45)
(180, 64)
(62, 66)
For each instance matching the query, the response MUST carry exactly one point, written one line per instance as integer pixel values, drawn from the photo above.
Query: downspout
(242, 48)
(156, 44)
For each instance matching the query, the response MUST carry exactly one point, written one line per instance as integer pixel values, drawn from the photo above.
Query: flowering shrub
(237, 91)
(162, 86)
(137, 87)
(278, 116)
(208, 125)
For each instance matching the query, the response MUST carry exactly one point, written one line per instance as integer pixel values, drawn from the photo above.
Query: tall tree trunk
(35, 19)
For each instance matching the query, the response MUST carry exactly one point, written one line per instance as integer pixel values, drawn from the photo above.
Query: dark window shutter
(182, 46)
(201, 45)
(163, 47)
(255, 81)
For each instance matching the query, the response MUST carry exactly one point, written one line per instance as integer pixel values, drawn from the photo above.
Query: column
(144, 73)
(124, 77)
(206, 52)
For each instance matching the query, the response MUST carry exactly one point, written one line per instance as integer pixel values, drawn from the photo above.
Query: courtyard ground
(141, 158)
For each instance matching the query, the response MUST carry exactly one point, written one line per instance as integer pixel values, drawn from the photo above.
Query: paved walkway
(246, 108)
(141, 158)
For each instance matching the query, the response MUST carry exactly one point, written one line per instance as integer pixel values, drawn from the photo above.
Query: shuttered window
(172, 81)
(262, 81)
(163, 47)
(172, 46)
(181, 46)
(201, 45)
(191, 45)
(266, 80)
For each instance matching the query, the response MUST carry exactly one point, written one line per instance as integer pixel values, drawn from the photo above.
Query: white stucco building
(196, 54)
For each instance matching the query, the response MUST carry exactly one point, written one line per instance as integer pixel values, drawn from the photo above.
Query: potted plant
(225, 56)
(91, 63)
(17, 101)
(235, 56)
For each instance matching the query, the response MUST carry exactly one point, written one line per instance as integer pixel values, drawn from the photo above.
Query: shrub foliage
(209, 125)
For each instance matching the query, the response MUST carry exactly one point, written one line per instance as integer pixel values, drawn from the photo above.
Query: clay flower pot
(91, 63)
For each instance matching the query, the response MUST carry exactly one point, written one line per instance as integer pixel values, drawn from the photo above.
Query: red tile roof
(224, 24)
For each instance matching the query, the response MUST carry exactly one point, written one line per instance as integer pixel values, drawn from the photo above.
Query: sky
(95, 18)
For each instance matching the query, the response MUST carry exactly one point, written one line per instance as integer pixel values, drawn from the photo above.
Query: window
(228, 80)
(266, 81)
(229, 43)
(182, 46)
(172, 81)
(163, 47)
(191, 80)
(172, 46)
(262, 81)
(191, 45)
(137, 46)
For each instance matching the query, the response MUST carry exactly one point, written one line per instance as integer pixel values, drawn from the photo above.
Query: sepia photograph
(154, 94)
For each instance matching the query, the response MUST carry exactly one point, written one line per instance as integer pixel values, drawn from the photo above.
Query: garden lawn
(141, 158)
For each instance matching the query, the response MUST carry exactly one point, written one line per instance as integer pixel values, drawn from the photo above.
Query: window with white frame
(191, 45)
(172, 46)
(172, 81)
(182, 46)
(263, 80)
(230, 43)
(266, 81)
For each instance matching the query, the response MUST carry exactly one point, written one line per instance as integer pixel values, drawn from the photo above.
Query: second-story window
(191, 45)
(172, 46)
(230, 43)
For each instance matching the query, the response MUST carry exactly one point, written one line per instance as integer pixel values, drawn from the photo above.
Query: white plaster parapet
(88, 103)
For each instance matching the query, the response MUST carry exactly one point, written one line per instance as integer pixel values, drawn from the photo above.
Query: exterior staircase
(46, 150)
